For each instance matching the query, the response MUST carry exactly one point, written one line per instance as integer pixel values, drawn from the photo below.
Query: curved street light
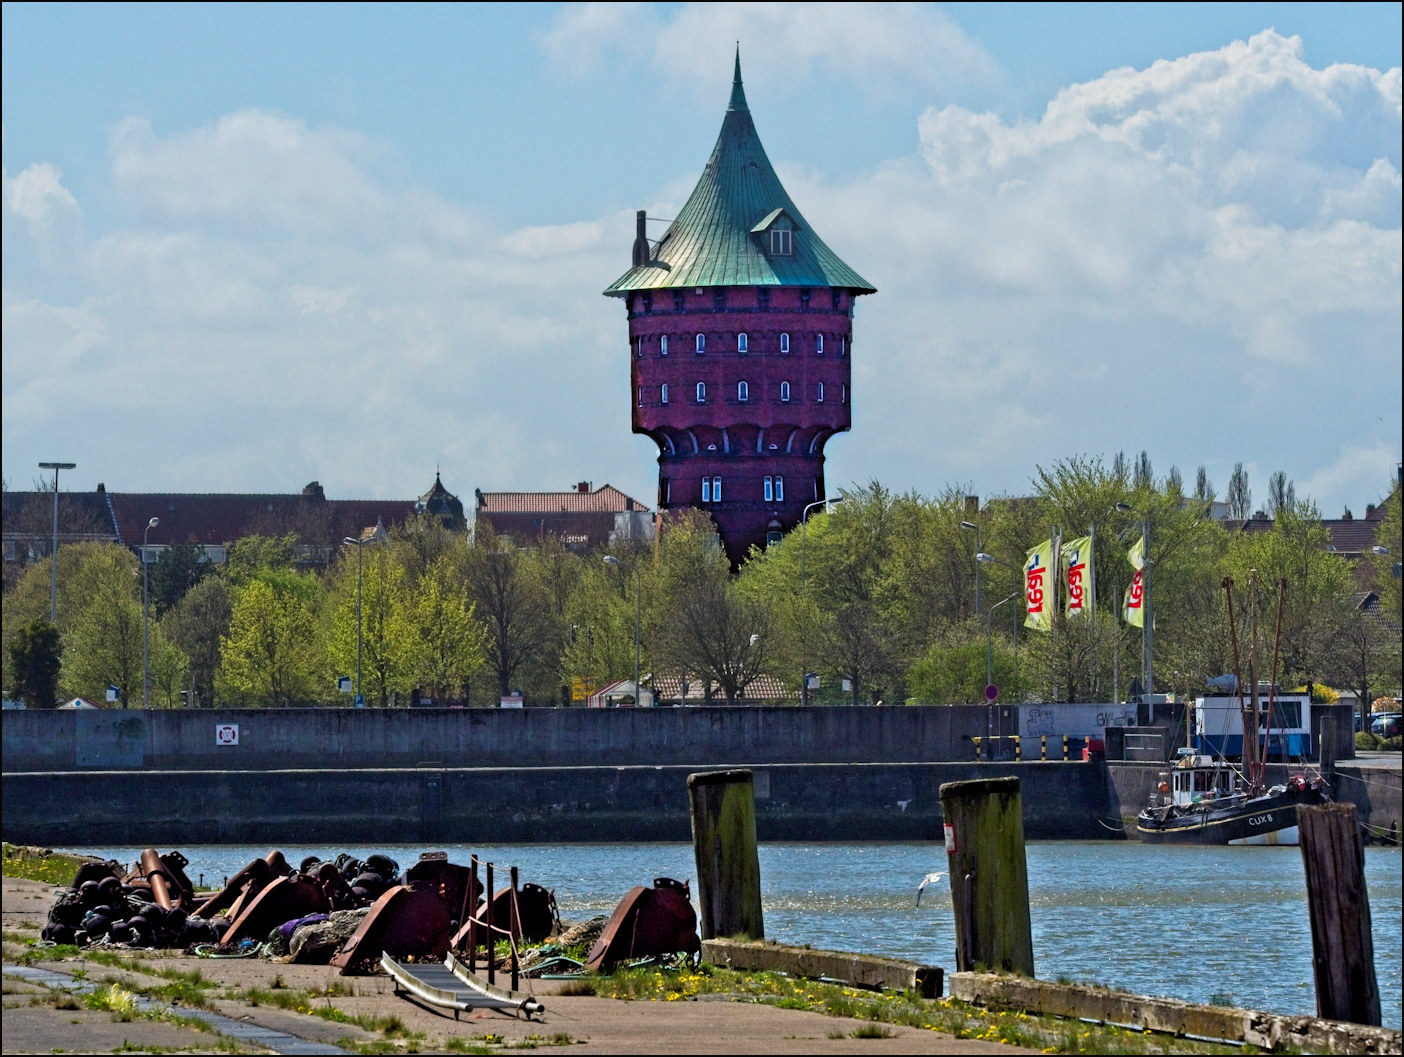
(804, 528)
(610, 559)
(145, 641)
(359, 544)
(53, 558)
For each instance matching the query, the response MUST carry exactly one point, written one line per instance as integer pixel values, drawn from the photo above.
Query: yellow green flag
(1133, 611)
(1038, 587)
(1077, 577)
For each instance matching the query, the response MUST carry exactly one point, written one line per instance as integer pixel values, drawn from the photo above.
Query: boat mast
(1250, 725)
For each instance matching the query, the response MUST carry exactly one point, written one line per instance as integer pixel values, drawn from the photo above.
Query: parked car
(1387, 725)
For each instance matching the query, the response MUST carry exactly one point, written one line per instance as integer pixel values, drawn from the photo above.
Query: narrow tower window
(782, 243)
(784, 344)
(843, 393)
(843, 345)
(779, 489)
(784, 392)
(701, 392)
(701, 342)
(716, 489)
(663, 393)
(741, 344)
(819, 344)
(706, 489)
(770, 490)
(678, 301)
(763, 297)
(838, 299)
(640, 396)
(743, 392)
(821, 392)
(663, 345)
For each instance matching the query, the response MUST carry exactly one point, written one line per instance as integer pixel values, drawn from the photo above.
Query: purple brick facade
(775, 367)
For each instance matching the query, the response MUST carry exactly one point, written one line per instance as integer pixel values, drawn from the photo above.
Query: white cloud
(782, 44)
(1201, 259)
(37, 193)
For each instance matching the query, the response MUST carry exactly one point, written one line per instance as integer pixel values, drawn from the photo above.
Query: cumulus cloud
(37, 193)
(1201, 258)
(781, 43)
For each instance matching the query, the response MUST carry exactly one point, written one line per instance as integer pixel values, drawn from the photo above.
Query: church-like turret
(740, 337)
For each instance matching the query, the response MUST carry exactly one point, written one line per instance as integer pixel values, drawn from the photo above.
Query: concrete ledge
(861, 970)
(1268, 1031)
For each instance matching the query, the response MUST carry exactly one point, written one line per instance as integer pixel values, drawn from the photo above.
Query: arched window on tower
(821, 393)
(663, 393)
(741, 343)
(843, 393)
(819, 344)
(701, 343)
(701, 392)
(743, 392)
(663, 345)
(640, 396)
(779, 489)
(784, 344)
(770, 489)
(784, 392)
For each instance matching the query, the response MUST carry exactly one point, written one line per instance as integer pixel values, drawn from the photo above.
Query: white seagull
(930, 878)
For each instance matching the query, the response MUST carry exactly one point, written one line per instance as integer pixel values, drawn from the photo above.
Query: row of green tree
(876, 596)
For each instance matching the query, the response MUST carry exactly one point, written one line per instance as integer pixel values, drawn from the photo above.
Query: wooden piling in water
(984, 825)
(723, 809)
(1342, 951)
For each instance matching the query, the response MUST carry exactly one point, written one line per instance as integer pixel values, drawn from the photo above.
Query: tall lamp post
(1147, 612)
(145, 639)
(982, 558)
(970, 526)
(610, 559)
(53, 574)
(804, 529)
(359, 544)
(989, 638)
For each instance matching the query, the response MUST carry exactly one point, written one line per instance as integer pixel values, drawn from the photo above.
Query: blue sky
(249, 246)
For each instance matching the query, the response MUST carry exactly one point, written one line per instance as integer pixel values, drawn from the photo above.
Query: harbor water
(1224, 925)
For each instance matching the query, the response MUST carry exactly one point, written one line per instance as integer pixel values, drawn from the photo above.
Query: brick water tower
(740, 337)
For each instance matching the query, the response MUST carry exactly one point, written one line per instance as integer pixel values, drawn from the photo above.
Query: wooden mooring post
(984, 823)
(723, 807)
(1342, 951)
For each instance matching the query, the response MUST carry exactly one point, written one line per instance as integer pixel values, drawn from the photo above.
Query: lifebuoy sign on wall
(226, 734)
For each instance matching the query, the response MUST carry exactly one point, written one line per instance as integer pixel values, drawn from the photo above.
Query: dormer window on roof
(782, 243)
(776, 230)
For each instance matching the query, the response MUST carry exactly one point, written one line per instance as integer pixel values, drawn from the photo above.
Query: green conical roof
(718, 239)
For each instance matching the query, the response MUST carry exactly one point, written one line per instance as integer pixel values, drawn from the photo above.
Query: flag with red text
(1038, 587)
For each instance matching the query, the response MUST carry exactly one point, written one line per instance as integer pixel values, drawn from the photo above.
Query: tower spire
(738, 94)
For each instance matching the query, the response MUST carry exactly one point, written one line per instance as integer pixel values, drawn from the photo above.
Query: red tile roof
(604, 500)
(216, 519)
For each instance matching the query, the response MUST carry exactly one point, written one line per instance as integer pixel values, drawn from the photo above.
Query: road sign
(991, 693)
(113, 693)
(343, 684)
(360, 700)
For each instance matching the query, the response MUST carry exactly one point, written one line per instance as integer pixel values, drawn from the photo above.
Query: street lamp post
(145, 640)
(610, 559)
(970, 526)
(359, 544)
(53, 574)
(804, 613)
(989, 638)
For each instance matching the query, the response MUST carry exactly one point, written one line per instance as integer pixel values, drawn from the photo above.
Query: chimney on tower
(640, 238)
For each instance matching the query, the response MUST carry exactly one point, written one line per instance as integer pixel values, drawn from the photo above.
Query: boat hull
(1263, 820)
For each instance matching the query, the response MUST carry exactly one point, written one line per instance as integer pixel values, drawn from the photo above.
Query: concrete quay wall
(806, 802)
(343, 738)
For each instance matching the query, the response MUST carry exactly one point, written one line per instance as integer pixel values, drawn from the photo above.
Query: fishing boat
(1205, 799)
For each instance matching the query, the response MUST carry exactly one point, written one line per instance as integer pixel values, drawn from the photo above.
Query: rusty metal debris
(407, 922)
(648, 921)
